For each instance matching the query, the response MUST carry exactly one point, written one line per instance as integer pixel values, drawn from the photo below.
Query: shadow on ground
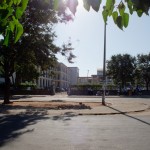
(64, 117)
(127, 115)
(12, 126)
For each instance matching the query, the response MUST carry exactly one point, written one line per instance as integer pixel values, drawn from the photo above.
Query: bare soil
(56, 104)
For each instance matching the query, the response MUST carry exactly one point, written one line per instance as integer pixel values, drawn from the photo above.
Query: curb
(100, 110)
(113, 113)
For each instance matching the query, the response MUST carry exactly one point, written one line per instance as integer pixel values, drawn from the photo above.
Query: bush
(25, 85)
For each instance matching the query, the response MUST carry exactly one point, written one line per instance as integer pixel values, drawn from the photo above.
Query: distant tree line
(126, 69)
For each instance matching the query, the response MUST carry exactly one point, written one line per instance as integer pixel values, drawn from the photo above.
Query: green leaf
(119, 22)
(126, 19)
(4, 22)
(139, 13)
(105, 15)
(16, 2)
(19, 12)
(110, 4)
(86, 5)
(19, 31)
(95, 4)
(111, 10)
(6, 38)
(130, 6)
(115, 15)
(10, 3)
(11, 26)
(121, 8)
(24, 4)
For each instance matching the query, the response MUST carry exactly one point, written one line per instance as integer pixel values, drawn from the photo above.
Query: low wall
(108, 92)
(30, 92)
(93, 92)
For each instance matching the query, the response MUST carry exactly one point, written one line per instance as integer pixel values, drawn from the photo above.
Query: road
(69, 132)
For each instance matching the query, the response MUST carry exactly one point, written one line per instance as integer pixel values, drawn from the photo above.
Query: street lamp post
(104, 67)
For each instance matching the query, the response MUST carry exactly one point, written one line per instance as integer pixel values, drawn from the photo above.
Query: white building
(45, 79)
(62, 79)
(59, 76)
(73, 74)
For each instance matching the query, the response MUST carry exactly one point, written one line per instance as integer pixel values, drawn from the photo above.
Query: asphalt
(114, 105)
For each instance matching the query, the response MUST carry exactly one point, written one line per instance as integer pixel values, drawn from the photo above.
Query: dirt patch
(56, 104)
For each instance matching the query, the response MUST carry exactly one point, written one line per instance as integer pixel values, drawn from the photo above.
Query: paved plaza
(122, 125)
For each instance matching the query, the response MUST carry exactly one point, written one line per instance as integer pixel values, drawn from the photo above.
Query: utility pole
(104, 67)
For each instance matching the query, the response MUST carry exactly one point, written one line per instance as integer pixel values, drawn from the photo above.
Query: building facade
(95, 79)
(73, 74)
(60, 76)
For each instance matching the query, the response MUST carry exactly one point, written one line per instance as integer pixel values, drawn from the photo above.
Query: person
(90, 91)
(68, 91)
(107, 93)
(118, 91)
(98, 93)
(138, 90)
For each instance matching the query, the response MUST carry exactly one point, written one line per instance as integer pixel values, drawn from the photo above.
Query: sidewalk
(116, 105)
(114, 108)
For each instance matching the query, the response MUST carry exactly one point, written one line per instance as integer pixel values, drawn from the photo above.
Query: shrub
(25, 85)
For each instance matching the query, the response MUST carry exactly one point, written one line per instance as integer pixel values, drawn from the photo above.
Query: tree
(118, 10)
(36, 47)
(11, 30)
(121, 68)
(143, 65)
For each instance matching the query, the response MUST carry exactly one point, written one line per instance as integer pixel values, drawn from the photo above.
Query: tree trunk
(7, 84)
(147, 83)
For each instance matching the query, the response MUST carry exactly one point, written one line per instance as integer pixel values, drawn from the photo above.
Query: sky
(87, 36)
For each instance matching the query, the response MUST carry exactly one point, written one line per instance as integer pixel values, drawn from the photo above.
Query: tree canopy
(36, 46)
(121, 68)
(125, 68)
(143, 66)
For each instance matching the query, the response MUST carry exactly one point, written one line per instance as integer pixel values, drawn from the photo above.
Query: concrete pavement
(41, 128)
(115, 105)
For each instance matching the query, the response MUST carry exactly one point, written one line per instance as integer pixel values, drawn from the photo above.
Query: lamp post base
(103, 100)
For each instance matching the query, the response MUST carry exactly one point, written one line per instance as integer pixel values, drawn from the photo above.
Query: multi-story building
(62, 79)
(73, 74)
(59, 76)
(95, 79)
(45, 79)
(85, 80)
